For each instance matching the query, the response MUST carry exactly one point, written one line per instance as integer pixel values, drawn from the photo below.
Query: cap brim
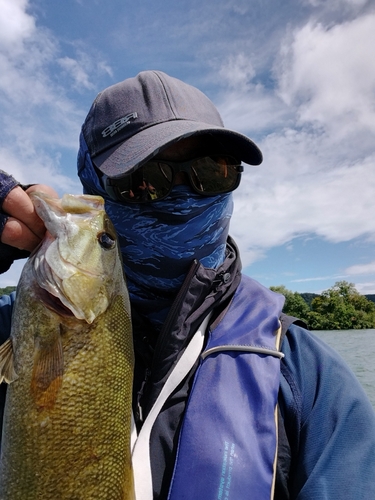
(117, 161)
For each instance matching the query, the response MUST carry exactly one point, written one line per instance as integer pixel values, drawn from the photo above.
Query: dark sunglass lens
(215, 174)
(150, 182)
(160, 176)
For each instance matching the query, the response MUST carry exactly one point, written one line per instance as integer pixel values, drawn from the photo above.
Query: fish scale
(66, 436)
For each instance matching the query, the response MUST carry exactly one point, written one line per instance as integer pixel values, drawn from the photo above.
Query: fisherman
(231, 399)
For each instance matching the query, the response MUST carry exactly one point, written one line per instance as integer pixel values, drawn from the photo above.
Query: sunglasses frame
(112, 186)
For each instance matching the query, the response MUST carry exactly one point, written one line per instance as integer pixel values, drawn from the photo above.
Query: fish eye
(106, 240)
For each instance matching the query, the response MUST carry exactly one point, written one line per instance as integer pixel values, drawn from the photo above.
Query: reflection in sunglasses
(208, 176)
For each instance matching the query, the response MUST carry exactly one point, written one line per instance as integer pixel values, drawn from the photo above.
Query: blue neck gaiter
(160, 240)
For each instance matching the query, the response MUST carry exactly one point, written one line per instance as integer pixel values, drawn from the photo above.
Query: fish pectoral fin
(7, 371)
(47, 374)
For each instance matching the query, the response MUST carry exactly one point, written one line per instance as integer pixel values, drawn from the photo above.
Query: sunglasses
(153, 181)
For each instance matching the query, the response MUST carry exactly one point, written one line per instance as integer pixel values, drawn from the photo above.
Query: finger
(42, 188)
(17, 234)
(18, 205)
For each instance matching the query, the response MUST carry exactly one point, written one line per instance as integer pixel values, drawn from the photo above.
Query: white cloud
(318, 174)
(296, 191)
(358, 269)
(76, 71)
(11, 277)
(39, 119)
(252, 111)
(328, 72)
(365, 288)
(38, 167)
(15, 24)
(319, 278)
(237, 71)
(337, 4)
(24, 51)
(32, 104)
(83, 66)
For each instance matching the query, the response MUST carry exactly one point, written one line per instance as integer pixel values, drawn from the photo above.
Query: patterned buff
(160, 240)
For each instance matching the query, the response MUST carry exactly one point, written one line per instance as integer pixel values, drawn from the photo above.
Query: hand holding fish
(23, 228)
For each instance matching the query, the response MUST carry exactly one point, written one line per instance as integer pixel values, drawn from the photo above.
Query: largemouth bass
(69, 363)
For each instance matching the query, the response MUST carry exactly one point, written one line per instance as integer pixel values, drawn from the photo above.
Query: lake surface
(357, 347)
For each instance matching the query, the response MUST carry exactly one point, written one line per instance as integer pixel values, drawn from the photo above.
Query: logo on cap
(118, 125)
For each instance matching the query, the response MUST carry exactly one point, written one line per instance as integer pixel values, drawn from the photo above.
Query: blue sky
(297, 76)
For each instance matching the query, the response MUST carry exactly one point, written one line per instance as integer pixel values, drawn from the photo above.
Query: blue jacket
(327, 425)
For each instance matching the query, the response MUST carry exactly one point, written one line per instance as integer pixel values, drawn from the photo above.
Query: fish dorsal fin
(7, 371)
(47, 374)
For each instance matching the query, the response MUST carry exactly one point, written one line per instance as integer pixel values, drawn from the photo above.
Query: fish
(69, 363)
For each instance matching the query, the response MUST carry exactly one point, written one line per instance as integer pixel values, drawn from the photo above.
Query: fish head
(78, 262)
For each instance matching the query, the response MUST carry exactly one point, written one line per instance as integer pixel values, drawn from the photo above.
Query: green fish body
(69, 363)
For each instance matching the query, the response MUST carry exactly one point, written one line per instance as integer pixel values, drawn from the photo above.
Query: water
(357, 347)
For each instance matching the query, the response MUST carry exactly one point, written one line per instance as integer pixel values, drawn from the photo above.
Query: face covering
(160, 240)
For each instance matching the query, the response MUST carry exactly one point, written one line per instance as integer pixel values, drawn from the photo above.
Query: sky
(296, 76)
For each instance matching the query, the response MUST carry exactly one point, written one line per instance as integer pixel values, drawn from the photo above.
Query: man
(232, 399)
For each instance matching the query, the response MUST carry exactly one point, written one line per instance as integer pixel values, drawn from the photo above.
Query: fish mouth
(55, 292)
(53, 303)
(45, 279)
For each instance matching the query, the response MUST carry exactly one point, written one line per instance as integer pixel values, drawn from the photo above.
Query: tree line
(7, 290)
(341, 307)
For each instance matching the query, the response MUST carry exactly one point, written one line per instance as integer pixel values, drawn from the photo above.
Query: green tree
(316, 321)
(7, 290)
(294, 303)
(341, 307)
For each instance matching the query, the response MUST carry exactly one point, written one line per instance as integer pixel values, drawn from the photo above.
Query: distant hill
(371, 297)
(309, 297)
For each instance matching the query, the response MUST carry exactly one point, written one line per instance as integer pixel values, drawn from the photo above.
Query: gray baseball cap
(130, 122)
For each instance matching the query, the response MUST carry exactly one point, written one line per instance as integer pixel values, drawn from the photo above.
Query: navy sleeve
(6, 307)
(7, 183)
(329, 421)
(8, 254)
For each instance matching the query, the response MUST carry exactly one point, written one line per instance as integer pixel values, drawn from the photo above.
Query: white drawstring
(141, 444)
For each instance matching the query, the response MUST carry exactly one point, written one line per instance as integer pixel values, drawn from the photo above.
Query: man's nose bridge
(181, 178)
